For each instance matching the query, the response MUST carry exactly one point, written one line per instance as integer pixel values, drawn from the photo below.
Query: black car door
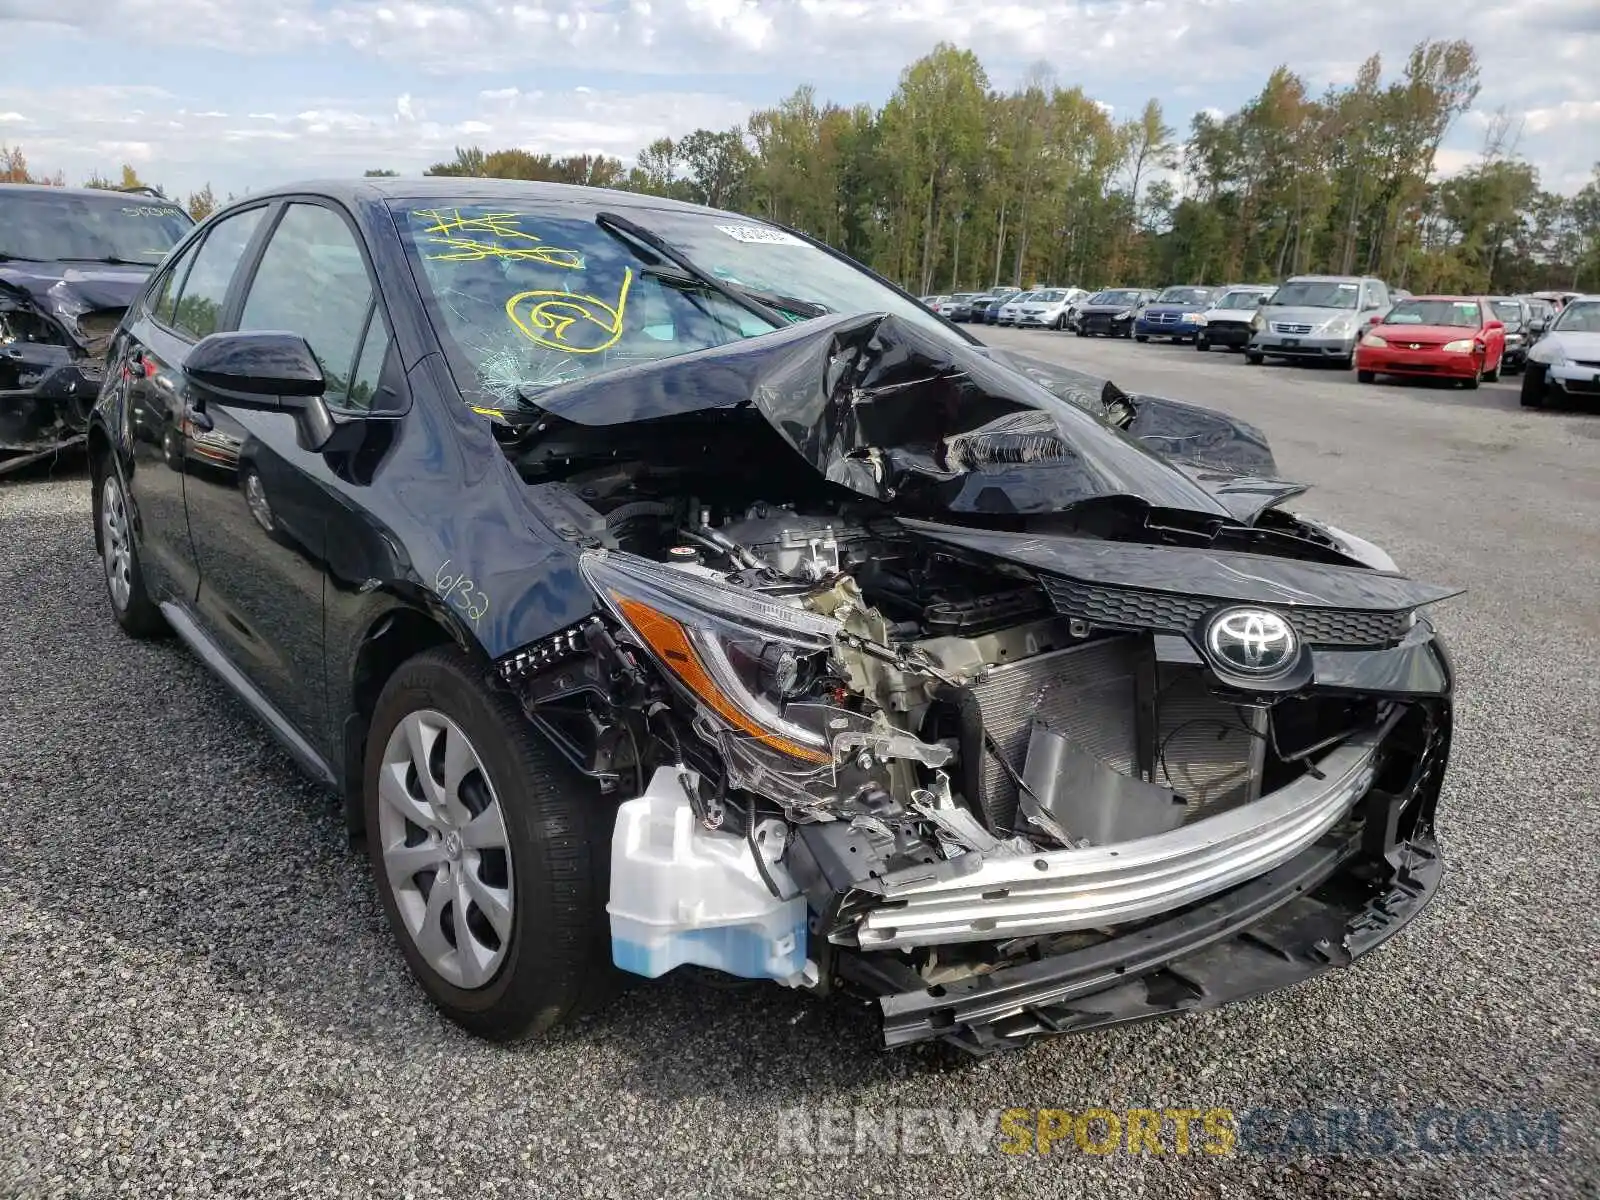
(180, 308)
(259, 510)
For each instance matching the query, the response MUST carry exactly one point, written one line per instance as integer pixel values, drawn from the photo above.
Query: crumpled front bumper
(1308, 916)
(46, 393)
(1062, 890)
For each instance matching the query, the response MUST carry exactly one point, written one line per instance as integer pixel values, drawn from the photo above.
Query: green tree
(202, 203)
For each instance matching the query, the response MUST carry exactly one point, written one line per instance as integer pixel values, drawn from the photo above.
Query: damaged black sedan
(71, 260)
(660, 588)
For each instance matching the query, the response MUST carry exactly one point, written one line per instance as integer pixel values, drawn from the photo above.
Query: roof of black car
(454, 187)
(96, 193)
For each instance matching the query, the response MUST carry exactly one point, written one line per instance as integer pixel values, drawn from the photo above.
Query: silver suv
(1317, 316)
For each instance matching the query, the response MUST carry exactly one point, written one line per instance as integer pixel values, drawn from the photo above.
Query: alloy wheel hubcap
(444, 848)
(114, 543)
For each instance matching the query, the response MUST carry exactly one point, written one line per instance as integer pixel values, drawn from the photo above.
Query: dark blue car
(1173, 314)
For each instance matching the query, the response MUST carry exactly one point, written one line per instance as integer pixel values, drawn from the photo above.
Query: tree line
(955, 185)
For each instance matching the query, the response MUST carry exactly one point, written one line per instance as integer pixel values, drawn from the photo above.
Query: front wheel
(492, 857)
(1081, 332)
(1366, 376)
(1253, 358)
(1201, 344)
(1139, 337)
(1492, 376)
(1533, 386)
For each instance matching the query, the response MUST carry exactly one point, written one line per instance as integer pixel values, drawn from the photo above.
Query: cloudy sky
(244, 93)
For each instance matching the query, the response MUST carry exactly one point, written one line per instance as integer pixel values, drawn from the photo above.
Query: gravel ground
(198, 996)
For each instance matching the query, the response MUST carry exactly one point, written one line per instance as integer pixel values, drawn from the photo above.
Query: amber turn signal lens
(670, 643)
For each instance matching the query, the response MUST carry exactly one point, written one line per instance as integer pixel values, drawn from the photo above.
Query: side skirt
(211, 654)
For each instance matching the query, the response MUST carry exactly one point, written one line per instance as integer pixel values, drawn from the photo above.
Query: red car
(1446, 337)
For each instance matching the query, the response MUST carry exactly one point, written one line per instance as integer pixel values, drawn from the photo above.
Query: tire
(1253, 358)
(1080, 332)
(550, 850)
(1492, 376)
(1139, 337)
(131, 605)
(1533, 386)
(1201, 344)
(1366, 376)
(1472, 384)
(1059, 324)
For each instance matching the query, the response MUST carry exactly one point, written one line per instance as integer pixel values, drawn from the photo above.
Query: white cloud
(345, 137)
(1537, 55)
(12, 118)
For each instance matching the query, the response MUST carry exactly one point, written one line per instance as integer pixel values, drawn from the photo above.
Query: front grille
(1201, 746)
(1096, 321)
(1283, 327)
(1132, 608)
(1586, 362)
(1162, 319)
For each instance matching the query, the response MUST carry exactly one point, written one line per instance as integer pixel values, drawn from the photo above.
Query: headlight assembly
(1192, 319)
(1123, 315)
(1460, 346)
(1547, 353)
(739, 655)
(1373, 340)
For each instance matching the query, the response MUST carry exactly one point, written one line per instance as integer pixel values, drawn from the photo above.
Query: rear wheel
(491, 855)
(119, 558)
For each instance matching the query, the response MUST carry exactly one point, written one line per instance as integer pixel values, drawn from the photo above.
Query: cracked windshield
(528, 296)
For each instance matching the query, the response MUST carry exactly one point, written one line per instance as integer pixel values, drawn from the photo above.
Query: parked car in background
(1007, 314)
(1565, 362)
(1047, 309)
(1557, 299)
(1173, 314)
(1111, 312)
(932, 302)
(1440, 337)
(748, 686)
(998, 297)
(1541, 313)
(1518, 318)
(1226, 322)
(1317, 316)
(71, 260)
(958, 307)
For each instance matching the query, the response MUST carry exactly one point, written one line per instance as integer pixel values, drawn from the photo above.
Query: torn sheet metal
(56, 325)
(1196, 571)
(893, 412)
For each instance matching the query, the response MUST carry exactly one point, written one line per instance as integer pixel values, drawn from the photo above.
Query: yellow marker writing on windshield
(569, 321)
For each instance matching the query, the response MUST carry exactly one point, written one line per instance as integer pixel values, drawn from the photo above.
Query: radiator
(1090, 693)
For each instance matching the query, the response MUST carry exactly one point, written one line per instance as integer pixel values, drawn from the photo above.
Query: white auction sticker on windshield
(760, 233)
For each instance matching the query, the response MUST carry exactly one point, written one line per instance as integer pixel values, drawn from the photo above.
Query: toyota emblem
(1251, 641)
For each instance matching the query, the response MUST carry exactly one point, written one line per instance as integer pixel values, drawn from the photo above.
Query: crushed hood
(899, 414)
(66, 291)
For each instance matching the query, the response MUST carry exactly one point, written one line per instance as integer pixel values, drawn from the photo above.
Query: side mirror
(1491, 326)
(1375, 319)
(263, 372)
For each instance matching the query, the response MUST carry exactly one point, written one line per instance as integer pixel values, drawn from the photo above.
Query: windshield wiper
(751, 301)
(4, 257)
(110, 260)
